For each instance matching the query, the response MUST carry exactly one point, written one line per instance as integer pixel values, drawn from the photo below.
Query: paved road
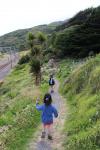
(7, 64)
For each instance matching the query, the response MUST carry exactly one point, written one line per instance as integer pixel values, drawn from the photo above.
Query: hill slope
(19, 38)
(82, 90)
(80, 36)
(18, 116)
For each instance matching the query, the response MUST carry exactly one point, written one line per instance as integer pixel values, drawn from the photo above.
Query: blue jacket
(47, 113)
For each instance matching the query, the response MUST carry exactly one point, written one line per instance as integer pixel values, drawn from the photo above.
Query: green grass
(17, 108)
(82, 92)
(64, 69)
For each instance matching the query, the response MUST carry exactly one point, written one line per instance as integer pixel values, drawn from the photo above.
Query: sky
(21, 14)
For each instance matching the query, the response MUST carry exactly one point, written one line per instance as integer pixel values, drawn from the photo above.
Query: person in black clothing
(52, 83)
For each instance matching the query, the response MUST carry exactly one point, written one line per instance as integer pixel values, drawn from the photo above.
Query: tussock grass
(82, 91)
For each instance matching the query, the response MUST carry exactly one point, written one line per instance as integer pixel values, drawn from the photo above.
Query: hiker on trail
(48, 110)
(52, 83)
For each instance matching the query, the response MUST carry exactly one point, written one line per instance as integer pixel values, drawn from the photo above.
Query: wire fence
(11, 58)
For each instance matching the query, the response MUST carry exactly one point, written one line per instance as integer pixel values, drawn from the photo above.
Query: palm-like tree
(35, 69)
(42, 40)
(41, 37)
(36, 53)
(31, 39)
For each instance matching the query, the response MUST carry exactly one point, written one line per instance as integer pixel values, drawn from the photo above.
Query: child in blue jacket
(48, 110)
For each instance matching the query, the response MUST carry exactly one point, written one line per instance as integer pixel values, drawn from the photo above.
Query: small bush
(24, 59)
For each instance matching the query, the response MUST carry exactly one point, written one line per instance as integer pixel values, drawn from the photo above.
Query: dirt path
(37, 143)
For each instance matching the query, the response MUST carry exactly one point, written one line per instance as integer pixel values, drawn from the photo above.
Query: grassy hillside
(18, 116)
(82, 92)
(19, 38)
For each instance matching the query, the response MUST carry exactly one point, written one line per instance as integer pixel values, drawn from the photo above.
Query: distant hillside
(18, 38)
(80, 35)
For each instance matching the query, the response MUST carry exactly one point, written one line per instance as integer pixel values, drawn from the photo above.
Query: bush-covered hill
(82, 91)
(80, 18)
(19, 38)
(80, 36)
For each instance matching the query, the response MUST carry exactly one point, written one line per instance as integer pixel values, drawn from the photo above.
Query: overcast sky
(20, 14)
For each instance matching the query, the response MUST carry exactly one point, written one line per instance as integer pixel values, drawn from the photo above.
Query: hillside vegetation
(77, 37)
(82, 91)
(19, 38)
(18, 116)
(80, 36)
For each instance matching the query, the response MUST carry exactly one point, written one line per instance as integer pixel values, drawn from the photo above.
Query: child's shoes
(43, 134)
(52, 91)
(50, 137)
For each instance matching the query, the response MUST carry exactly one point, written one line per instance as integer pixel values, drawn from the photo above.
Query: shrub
(24, 59)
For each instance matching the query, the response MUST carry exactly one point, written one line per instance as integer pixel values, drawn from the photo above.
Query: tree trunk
(40, 76)
(36, 80)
